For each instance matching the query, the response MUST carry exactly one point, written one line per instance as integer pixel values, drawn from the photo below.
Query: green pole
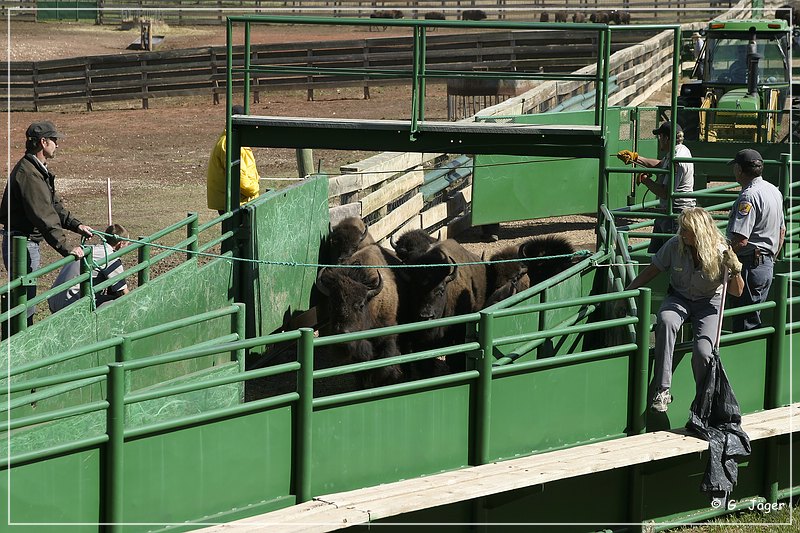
(191, 233)
(305, 386)
(422, 67)
(640, 366)
(783, 184)
(238, 327)
(19, 296)
(144, 257)
(483, 403)
(85, 287)
(122, 350)
(778, 365)
(415, 69)
(305, 162)
(115, 429)
(599, 70)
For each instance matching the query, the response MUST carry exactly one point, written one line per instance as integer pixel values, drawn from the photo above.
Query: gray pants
(704, 316)
(757, 281)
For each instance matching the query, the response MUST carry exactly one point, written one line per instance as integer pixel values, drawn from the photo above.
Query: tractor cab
(741, 82)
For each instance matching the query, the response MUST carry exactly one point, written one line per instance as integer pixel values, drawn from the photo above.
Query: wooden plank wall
(198, 71)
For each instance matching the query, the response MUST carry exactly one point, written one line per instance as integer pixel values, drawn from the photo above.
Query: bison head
(349, 293)
(551, 245)
(412, 244)
(347, 237)
(429, 285)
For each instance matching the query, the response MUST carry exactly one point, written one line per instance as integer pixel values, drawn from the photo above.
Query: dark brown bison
(385, 14)
(443, 290)
(412, 244)
(473, 14)
(579, 17)
(360, 299)
(435, 15)
(544, 17)
(348, 236)
(561, 16)
(506, 279)
(599, 17)
(619, 17)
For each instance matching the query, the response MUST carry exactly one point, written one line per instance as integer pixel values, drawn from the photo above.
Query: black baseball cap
(746, 157)
(666, 128)
(43, 130)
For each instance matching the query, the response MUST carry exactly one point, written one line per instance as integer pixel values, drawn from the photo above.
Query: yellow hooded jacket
(215, 176)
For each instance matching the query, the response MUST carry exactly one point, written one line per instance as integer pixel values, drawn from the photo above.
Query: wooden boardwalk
(346, 509)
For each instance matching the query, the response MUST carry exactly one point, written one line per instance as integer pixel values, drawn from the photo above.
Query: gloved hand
(731, 262)
(641, 178)
(627, 157)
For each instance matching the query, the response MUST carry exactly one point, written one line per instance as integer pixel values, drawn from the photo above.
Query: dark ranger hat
(666, 128)
(42, 130)
(746, 157)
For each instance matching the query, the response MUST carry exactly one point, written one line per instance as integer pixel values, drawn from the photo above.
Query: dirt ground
(156, 158)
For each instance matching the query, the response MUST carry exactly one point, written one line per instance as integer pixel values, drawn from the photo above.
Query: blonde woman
(696, 259)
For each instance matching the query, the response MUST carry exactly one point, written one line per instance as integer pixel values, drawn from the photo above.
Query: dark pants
(34, 259)
(757, 281)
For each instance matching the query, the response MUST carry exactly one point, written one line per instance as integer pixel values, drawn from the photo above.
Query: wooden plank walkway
(346, 509)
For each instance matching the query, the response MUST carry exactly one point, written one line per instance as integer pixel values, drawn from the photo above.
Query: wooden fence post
(145, 101)
(88, 74)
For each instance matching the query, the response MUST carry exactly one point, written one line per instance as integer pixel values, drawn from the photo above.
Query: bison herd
(436, 279)
(601, 17)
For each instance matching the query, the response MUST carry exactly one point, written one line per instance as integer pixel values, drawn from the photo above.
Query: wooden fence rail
(205, 12)
(145, 75)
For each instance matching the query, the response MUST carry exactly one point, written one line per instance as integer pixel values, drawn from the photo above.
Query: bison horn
(364, 234)
(453, 272)
(373, 292)
(391, 241)
(320, 283)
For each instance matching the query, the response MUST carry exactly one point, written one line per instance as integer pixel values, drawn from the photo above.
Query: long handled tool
(715, 349)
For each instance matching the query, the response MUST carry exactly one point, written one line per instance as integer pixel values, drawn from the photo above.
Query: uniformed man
(756, 230)
(32, 208)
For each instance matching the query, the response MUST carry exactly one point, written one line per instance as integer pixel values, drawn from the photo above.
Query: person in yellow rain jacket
(215, 176)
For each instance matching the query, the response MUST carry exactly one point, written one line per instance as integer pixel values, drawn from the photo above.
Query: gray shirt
(689, 281)
(757, 215)
(684, 179)
(106, 271)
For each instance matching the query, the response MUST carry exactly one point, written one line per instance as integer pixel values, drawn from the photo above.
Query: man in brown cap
(32, 208)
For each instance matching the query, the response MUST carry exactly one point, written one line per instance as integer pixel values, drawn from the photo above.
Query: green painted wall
(507, 188)
(288, 226)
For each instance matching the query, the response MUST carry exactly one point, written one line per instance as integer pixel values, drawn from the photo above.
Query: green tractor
(741, 84)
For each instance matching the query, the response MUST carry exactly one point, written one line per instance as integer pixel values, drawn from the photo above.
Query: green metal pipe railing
(622, 350)
(60, 414)
(56, 379)
(212, 416)
(579, 328)
(583, 300)
(52, 451)
(49, 393)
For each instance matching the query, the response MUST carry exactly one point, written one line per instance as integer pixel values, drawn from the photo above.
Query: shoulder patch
(744, 208)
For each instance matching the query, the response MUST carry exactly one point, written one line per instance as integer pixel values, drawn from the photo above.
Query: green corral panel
(188, 403)
(56, 10)
(70, 328)
(724, 172)
(389, 439)
(288, 226)
(64, 489)
(182, 292)
(205, 470)
(559, 406)
(509, 188)
(790, 381)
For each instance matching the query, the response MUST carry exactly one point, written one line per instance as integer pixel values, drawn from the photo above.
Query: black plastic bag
(715, 416)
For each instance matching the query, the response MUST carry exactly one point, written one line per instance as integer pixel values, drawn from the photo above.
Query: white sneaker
(661, 400)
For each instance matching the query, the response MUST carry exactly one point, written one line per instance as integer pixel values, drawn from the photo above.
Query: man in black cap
(756, 230)
(684, 180)
(32, 208)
